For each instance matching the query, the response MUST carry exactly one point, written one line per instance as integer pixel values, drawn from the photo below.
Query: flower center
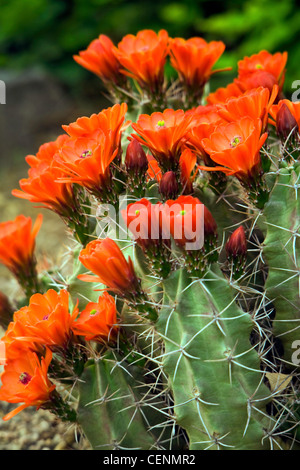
(182, 212)
(93, 312)
(235, 141)
(160, 124)
(46, 317)
(25, 378)
(86, 153)
(137, 212)
(258, 66)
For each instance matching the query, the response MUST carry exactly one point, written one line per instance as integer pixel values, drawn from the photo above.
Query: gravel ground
(37, 430)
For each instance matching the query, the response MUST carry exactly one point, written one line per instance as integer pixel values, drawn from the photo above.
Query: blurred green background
(46, 33)
(46, 88)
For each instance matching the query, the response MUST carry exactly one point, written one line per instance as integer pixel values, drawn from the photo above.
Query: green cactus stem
(214, 372)
(281, 255)
(117, 411)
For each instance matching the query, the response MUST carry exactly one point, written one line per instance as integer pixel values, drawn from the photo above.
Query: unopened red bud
(285, 122)
(135, 159)
(210, 226)
(168, 186)
(210, 236)
(236, 245)
(6, 311)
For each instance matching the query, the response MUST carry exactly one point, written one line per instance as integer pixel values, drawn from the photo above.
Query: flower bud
(168, 186)
(105, 259)
(236, 249)
(236, 245)
(6, 311)
(210, 226)
(135, 160)
(285, 122)
(210, 236)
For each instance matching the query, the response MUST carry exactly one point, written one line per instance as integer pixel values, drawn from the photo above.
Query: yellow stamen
(235, 141)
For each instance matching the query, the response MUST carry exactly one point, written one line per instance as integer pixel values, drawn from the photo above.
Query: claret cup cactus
(173, 324)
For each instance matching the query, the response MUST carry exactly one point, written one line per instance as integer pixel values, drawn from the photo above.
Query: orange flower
(100, 59)
(98, 321)
(16, 341)
(236, 147)
(203, 114)
(154, 172)
(3, 359)
(232, 90)
(285, 116)
(105, 259)
(17, 241)
(184, 217)
(87, 162)
(109, 121)
(194, 58)
(255, 80)
(146, 222)
(47, 151)
(138, 217)
(143, 219)
(187, 164)
(143, 57)
(42, 185)
(254, 103)
(262, 69)
(46, 320)
(17, 245)
(25, 380)
(164, 133)
(204, 121)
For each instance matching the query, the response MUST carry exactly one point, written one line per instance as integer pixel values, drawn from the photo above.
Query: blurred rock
(36, 107)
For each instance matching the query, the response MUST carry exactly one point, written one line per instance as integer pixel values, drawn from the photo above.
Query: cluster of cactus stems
(180, 338)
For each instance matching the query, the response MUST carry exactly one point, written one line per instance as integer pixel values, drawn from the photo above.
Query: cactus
(172, 323)
(207, 344)
(280, 251)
